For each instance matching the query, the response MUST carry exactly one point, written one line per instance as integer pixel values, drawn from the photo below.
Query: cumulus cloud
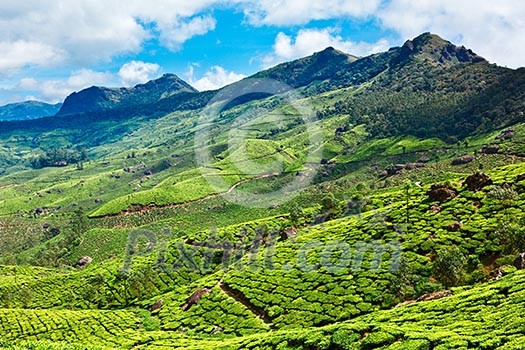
(308, 41)
(56, 90)
(293, 12)
(51, 32)
(215, 78)
(494, 29)
(137, 72)
(15, 54)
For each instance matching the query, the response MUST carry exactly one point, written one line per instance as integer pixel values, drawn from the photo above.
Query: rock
(435, 296)
(410, 166)
(506, 134)
(441, 193)
(520, 178)
(148, 172)
(195, 298)
(217, 330)
(54, 231)
(39, 211)
(490, 149)
(395, 169)
(477, 181)
(98, 200)
(501, 272)
(45, 225)
(435, 208)
(324, 161)
(423, 160)
(519, 263)
(84, 261)
(454, 227)
(157, 305)
(128, 169)
(288, 233)
(463, 160)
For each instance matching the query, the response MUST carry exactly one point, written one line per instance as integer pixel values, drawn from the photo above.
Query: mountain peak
(102, 98)
(331, 53)
(430, 46)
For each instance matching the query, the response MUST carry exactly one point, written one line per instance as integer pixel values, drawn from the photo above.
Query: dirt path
(137, 210)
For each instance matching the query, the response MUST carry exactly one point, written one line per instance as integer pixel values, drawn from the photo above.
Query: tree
(449, 266)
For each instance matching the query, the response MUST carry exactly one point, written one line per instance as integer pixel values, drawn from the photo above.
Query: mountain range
(393, 220)
(28, 110)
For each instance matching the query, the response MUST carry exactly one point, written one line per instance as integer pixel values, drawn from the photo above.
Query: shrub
(449, 266)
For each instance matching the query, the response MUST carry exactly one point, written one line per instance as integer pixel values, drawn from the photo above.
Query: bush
(449, 266)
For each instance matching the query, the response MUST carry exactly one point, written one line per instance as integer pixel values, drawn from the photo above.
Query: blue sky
(50, 48)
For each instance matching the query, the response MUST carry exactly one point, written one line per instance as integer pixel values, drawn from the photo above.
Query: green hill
(392, 220)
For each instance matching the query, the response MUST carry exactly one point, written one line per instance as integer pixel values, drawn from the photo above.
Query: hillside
(28, 110)
(392, 220)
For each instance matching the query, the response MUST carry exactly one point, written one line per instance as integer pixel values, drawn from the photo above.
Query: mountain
(101, 98)
(28, 110)
(317, 67)
(395, 222)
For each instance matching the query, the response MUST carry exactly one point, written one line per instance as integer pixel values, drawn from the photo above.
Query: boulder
(84, 261)
(490, 149)
(477, 181)
(501, 272)
(288, 233)
(506, 134)
(423, 159)
(454, 227)
(519, 263)
(435, 208)
(463, 160)
(441, 193)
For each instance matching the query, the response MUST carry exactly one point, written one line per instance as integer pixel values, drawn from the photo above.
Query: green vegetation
(418, 195)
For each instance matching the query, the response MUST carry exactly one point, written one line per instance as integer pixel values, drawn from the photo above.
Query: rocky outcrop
(463, 160)
(441, 193)
(519, 263)
(477, 181)
(84, 261)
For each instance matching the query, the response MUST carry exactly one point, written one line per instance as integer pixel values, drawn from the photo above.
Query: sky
(51, 48)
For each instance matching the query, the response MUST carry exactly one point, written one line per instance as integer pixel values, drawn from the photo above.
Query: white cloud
(56, 90)
(174, 35)
(308, 41)
(494, 29)
(28, 84)
(14, 54)
(293, 12)
(215, 78)
(137, 72)
(52, 32)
